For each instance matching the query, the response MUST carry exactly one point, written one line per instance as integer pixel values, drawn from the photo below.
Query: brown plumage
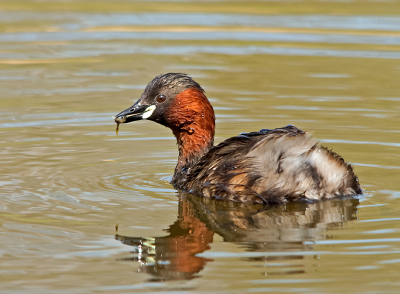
(268, 166)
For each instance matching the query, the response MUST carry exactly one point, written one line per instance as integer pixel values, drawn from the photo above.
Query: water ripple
(360, 142)
(81, 20)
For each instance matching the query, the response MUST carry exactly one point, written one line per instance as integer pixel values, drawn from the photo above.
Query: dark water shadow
(285, 229)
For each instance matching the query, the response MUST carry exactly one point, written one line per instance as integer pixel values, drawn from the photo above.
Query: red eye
(161, 98)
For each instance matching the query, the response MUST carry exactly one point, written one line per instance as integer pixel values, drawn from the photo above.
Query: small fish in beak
(117, 122)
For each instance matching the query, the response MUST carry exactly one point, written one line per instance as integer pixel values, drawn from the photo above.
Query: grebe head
(176, 101)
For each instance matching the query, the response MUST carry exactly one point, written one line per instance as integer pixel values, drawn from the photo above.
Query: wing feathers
(272, 166)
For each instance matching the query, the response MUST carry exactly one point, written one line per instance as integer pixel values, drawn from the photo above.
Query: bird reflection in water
(284, 228)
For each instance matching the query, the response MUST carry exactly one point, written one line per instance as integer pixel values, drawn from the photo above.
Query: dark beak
(135, 112)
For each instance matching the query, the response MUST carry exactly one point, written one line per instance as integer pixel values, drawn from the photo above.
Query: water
(84, 211)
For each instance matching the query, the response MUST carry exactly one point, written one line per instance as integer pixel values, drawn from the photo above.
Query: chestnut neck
(192, 121)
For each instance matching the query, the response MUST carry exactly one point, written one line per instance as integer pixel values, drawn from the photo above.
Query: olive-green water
(66, 180)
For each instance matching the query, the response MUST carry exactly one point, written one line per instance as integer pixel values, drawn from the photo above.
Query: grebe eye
(161, 98)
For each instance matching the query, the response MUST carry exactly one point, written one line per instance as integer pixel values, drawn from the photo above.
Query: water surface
(67, 181)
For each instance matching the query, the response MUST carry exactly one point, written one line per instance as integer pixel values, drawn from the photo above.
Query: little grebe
(268, 166)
